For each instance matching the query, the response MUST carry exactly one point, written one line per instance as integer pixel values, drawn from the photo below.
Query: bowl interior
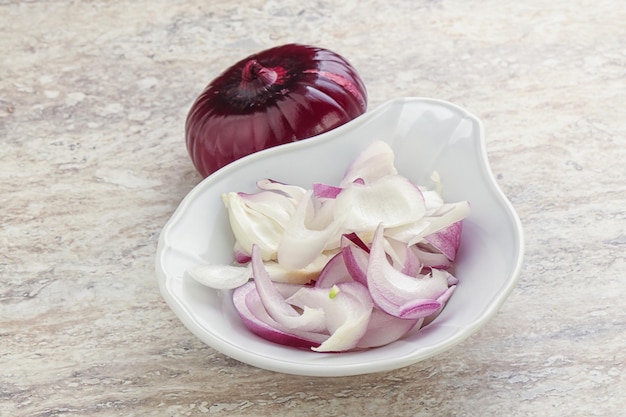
(426, 135)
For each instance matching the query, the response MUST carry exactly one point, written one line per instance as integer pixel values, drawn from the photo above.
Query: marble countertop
(93, 97)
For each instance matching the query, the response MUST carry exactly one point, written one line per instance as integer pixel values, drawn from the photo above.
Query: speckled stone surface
(93, 97)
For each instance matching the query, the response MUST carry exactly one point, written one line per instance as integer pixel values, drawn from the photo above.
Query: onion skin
(280, 95)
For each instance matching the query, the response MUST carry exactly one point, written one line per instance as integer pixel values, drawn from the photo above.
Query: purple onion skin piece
(277, 96)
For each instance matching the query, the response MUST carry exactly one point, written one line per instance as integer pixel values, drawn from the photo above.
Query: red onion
(447, 240)
(280, 95)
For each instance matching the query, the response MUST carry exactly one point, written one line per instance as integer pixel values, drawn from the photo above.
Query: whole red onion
(280, 95)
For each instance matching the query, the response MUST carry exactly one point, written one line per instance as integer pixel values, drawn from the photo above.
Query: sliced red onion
(335, 272)
(447, 240)
(273, 205)
(241, 256)
(293, 192)
(254, 316)
(356, 239)
(384, 328)
(444, 216)
(431, 259)
(398, 294)
(276, 306)
(299, 244)
(403, 257)
(346, 267)
(252, 227)
(391, 200)
(432, 200)
(356, 260)
(347, 310)
(321, 213)
(410, 233)
(325, 191)
(221, 277)
(287, 289)
(346, 306)
(279, 273)
(452, 281)
(376, 161)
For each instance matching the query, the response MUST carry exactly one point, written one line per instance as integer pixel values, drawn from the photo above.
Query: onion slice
(252, 227)
(311, 272)
(392, 200)
(221, 277)
(384, 328)
(299, 244)
(290, 191)
(447, 240)
(335, 272)
(441, 218)
(376, 161)
(276, 306)
(398, 294)
(347, 310)
(254, 316)
(356, 260)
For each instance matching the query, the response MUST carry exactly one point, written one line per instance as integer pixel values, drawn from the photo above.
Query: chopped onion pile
(340, 267)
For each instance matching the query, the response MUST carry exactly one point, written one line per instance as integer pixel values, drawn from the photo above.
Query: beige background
(93, 97)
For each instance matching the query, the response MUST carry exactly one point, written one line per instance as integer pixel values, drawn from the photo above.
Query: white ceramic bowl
(427, 135)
